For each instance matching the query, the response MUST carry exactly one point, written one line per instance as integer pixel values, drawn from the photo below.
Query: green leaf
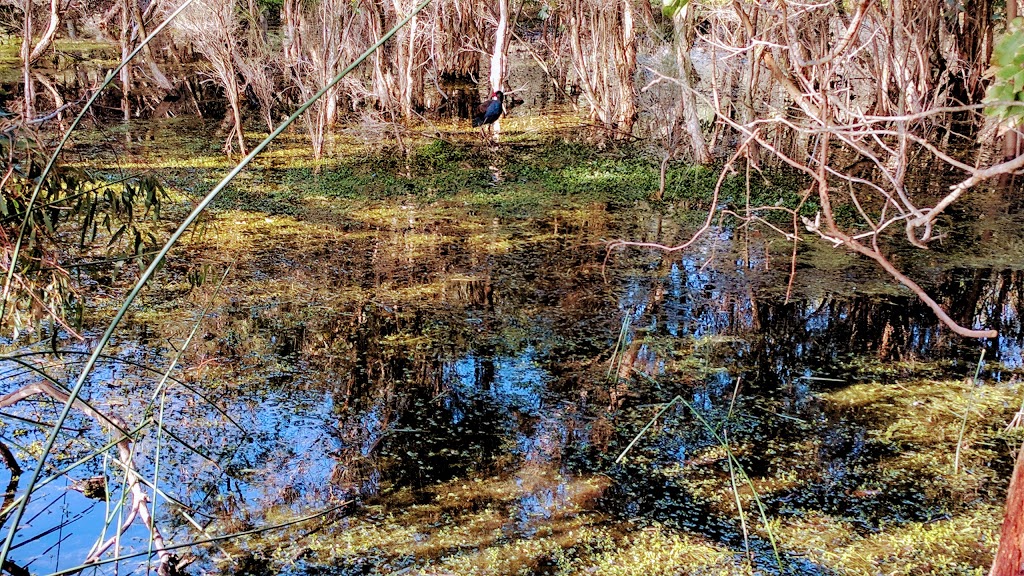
(1005, 96)
(1018, 81)
(117, 235)
(672, 7)
(47, 221)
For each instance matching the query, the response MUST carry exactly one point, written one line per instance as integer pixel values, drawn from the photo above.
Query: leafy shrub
(73, 213)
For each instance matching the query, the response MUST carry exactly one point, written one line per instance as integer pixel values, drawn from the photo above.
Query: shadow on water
(468, 384)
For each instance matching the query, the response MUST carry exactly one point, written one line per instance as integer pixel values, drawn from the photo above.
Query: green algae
(474, 525)
(376, 268)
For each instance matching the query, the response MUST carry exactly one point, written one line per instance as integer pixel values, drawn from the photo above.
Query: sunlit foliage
(77, 218)
(1006, 93)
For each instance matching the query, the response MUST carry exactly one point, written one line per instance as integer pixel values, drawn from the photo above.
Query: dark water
(377, 361)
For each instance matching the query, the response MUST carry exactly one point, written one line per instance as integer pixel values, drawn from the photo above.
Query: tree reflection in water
(404, 357)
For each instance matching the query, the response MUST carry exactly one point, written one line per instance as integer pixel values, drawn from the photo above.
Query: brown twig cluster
(868, 102)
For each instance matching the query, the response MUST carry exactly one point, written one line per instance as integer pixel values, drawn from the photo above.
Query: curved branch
(918, 291)
(712, 208)
(49, 34)
(957, 190)
(839, 238)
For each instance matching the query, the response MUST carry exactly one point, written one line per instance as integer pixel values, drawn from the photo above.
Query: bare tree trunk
(154, 70)
(51, 30)
(410, 66)
(126, 71)
(975, 43)
(459, 28)
(236, 115)
(1011, 140)
(499, 57)
(576, 26)
(410, 85)
(602, 43)
(1009, 560)
(584, 25)
(382, 80)
(627, 111)
(291, 42)
(684, 33)
(28, 108)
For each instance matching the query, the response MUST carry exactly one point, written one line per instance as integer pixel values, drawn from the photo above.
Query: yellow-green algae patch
(932, 412)
(961, 544)
(474, 527)
(307, 263)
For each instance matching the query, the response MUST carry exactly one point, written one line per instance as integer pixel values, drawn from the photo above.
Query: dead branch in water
(139, 498)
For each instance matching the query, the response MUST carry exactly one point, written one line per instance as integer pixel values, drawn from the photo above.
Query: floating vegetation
(440, 364)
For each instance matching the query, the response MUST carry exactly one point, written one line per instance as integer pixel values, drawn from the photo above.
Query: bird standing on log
(489, 111)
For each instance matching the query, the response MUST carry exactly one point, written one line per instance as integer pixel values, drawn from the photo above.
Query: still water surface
(458, 387)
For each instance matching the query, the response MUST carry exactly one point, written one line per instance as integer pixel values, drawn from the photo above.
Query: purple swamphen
(489, 111)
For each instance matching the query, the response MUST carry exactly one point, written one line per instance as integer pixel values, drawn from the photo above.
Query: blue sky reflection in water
(518, 372)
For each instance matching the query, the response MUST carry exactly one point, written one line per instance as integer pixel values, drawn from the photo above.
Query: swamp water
(454, 386)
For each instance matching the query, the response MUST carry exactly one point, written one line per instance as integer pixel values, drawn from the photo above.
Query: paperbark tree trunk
(408, 68)
(684, 34)
(499, 57)
(1011, 141)
(28, 107)
(126, 71)
(147, 52)
(627, 111)
(49, 33)
(1009, 560)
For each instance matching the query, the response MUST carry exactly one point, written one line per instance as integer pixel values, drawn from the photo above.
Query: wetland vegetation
(635, 328)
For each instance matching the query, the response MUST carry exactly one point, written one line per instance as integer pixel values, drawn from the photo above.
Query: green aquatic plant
(967, 413)
(734, 467)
